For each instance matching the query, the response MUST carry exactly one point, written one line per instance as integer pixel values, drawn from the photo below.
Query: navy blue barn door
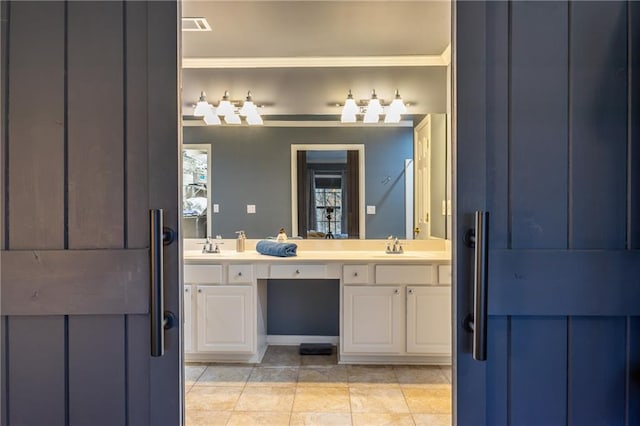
(89, 145)
(548, 142)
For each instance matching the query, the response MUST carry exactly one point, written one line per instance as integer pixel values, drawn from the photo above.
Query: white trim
(446, 55)
(320, 62)
(294, 179)
(408, 197)
(293, 340)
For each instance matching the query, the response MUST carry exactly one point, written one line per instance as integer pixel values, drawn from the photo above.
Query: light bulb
(397, 106)
(225, 108)
(202, 106)
(210, 117)
(350, 107)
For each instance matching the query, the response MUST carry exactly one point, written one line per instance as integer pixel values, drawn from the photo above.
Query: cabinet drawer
(355, 274)
(444, 274)
(240, 274)
(298, 271)
(210, 274)
(404, 274)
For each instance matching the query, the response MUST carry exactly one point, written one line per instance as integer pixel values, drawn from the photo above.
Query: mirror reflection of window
(195, 185)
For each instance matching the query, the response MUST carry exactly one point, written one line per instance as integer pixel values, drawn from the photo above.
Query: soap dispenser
(282, 236)
(240, 241)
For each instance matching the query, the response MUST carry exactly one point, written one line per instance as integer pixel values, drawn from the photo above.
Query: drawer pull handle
(355, 274)
(297, 271)
(239, 274)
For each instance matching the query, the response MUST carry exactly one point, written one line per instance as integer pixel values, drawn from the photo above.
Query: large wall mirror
(254, 178)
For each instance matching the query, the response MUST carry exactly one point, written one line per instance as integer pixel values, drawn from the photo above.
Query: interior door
(547, 102)
(89, 146)
(422, 195)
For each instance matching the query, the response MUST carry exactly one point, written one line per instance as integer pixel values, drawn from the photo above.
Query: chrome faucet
(210, 247)
(394, 246)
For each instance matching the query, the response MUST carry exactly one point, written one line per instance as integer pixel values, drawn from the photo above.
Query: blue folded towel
(273, 248)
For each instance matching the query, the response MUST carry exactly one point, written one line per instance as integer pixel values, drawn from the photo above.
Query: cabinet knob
(297, 271)
(410, 291)
(186, 290)
(199, 290)
(355, 274)
(396, 291)
(239, 274)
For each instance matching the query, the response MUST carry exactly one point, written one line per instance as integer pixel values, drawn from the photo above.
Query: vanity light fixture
(211, 118)
(373, 109)
(225, 107)
(202, 106)
(250, 111)
(230, 111)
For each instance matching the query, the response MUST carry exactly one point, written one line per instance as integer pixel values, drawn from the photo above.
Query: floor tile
(446, 370)
(206, 418)
(435, 400)
(214, 398)
(320, 419)
(224, 375)
(273, 376)
(368, 399)
(283, 356)
(361, 374)
(378, 419)
(192, 373)
(420, 375)
(432, 419)
(245, 418)
(322, 399)
(273, 398)
(334, 376)
(320, 359)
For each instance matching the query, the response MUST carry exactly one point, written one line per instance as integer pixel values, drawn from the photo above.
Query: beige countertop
(319, 256)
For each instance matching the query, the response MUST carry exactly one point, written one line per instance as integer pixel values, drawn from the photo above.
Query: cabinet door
(188, 318)
(373, 319)
(429, 320)
(226, 319)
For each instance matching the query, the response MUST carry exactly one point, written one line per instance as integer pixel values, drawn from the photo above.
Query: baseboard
(290, 340)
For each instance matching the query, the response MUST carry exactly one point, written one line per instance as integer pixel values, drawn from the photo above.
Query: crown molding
(321, 61)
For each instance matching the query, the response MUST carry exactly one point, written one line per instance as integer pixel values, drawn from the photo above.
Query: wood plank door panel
(88, 149)
(547, 142)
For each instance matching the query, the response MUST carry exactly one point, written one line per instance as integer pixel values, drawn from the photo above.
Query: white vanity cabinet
(220, 312)
(402, 311)
(226, 318)
(373, 317)
(429, 320)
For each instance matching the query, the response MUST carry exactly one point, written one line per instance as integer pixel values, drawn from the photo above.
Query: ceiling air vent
(195, 24)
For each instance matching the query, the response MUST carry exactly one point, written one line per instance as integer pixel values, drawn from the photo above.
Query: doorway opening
(241, 364)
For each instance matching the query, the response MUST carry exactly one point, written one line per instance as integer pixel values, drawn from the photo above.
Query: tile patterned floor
(290, 389)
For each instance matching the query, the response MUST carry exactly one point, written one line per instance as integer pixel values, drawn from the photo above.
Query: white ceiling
(323, 30)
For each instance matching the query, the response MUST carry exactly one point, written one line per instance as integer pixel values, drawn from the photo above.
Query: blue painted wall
(303, 307)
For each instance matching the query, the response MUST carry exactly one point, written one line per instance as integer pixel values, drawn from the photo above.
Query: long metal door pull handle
(480, 279)
(157, 282)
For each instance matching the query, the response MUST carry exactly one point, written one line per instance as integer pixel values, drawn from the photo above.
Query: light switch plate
(251, 208)
(371, 209)
(216, 208)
